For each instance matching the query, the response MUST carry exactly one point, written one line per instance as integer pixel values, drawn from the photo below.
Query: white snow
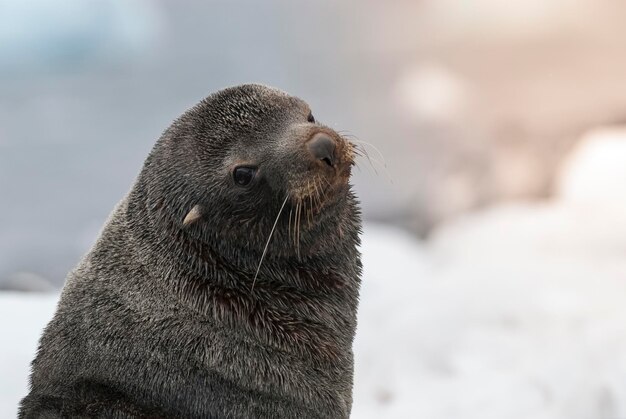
(596, 172)
(516, 312)
(22, 318)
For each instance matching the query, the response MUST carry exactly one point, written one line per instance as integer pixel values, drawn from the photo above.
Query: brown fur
(164, 318)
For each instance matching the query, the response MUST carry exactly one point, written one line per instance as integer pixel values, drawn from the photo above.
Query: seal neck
(170, 250)
(295, 306)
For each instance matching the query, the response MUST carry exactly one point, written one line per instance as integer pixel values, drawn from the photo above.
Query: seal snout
(322, 148)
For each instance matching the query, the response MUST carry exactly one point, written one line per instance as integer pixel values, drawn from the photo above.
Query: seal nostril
(322, 147)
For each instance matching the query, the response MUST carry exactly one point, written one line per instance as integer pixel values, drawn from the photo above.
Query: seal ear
(192, 216)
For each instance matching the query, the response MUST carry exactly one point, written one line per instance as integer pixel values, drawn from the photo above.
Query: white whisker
(268, 243)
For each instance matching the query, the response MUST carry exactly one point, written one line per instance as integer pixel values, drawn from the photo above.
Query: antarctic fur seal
(172, 313)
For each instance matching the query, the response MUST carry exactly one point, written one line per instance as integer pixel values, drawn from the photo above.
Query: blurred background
(494, 201)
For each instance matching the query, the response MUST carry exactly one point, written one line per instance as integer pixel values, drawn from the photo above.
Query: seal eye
(310, 118)
(243, 175)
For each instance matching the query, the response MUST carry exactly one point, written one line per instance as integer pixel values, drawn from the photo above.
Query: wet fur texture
(161, 320)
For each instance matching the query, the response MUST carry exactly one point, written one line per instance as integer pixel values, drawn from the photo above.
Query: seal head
(231, 161)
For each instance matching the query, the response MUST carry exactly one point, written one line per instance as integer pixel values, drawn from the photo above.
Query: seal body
(172, 313)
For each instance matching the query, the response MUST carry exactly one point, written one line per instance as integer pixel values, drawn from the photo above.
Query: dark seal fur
(166, 316)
